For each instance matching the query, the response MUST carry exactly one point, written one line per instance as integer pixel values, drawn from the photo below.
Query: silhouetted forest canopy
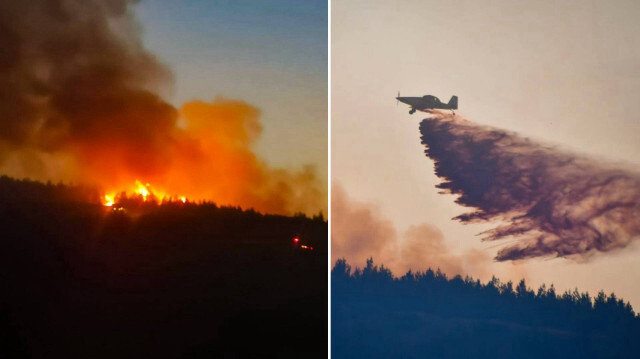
(162, 280)
(426, 314)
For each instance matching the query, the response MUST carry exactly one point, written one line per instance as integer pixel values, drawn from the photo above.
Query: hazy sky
(565, 73)
(271, 54)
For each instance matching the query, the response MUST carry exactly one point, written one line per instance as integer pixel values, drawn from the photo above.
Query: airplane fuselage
(428, 102)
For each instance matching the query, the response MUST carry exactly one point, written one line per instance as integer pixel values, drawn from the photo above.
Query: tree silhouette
(425, 314)
(155, 280)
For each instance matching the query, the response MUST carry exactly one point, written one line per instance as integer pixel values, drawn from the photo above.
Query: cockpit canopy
(430, 98)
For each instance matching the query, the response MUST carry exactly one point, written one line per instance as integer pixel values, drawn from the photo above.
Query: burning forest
(168, 235)
(81, 101)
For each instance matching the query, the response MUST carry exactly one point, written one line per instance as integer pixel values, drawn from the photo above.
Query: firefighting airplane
(428, 102)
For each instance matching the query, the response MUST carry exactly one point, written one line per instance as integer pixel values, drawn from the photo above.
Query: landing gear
(413, 110)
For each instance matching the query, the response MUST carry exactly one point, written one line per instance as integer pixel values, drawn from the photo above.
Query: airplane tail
(453, 103)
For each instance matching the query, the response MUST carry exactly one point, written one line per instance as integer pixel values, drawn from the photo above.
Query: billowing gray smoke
(74, 75)
(556, 203)
(81, 101)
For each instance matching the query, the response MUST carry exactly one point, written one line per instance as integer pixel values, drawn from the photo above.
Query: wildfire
(108, 200)
(143, 190)
(296, 242)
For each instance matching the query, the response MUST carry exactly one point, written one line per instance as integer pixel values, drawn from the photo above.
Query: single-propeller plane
(428, 102)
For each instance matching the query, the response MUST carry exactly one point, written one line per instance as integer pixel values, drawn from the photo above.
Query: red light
(296, 240)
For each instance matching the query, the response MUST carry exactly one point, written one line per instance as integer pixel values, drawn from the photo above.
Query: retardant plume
(360, 231)
(554, 202)
(80, 101)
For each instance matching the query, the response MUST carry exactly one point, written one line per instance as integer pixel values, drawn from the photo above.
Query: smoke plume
(80, 100)
(360, 230)
(557, 204)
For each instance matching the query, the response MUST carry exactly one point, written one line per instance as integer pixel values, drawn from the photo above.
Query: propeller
(397, 101)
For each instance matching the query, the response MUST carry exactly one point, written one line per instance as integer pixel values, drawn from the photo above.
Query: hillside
(142, 279)
(428, 315)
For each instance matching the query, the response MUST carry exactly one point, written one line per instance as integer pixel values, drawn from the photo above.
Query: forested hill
(142, 279)
(428, 315)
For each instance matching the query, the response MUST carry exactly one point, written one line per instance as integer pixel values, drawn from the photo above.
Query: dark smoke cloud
(74, 75)
(556, 203)
(80, 101)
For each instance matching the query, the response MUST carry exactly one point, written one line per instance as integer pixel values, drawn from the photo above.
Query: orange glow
(108, 200)
(142, 190)
(145, 191)
(200, 151)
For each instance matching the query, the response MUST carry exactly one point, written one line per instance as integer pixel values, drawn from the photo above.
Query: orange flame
(108, 200)
(100, 118)
(144, 190)
(207, 155)
(200, 151)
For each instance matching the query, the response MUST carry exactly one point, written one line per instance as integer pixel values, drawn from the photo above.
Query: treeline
(427, 314)
(15, 191)
(172, 280)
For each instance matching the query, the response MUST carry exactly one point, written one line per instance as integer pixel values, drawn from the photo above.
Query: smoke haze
(80, 100)
(557, 204)
(360, 231)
